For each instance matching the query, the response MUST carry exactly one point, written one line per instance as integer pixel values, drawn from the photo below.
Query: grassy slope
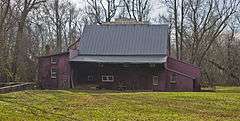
(77, 105)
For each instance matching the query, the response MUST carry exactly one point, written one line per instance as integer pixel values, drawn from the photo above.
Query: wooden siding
(183, 83)
(136, 77)
(63, 72)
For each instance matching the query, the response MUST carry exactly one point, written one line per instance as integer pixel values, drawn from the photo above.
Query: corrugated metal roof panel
(124, 40)
(120, 59)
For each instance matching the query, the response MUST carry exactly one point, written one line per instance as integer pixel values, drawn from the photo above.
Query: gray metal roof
(121, 59)
(135, 39)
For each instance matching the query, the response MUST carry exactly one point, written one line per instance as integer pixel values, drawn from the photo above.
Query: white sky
(156, 7)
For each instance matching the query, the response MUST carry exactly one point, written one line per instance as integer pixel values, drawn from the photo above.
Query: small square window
(90, 78)
(53, 73)
(53, 60)
(173, 79)
(155, 80)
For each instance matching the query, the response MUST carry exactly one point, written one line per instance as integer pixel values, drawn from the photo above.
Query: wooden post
(71, 76)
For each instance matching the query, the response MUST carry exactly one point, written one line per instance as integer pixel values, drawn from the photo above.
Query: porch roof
(121, 59)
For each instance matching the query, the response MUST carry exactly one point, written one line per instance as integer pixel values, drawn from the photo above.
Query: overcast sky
(156, 7)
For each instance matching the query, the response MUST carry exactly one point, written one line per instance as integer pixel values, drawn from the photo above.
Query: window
(155, 80)
(53, 73)
(53, 60)
(106, 78)
(90, 78)
(173, 79)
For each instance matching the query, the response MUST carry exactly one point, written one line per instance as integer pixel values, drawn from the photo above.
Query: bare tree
(201, 24)
(58, 26)
(20, 49)
(93, 10)
(27, 27)
(110, 8)
(137, 9)
(5, 6)
(63, 22)
(184, 10)
(4, 16)
(176, 28)
(207, 19)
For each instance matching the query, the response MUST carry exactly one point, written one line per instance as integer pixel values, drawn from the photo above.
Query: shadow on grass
(218, 89)
(103, 91)
(222, 89)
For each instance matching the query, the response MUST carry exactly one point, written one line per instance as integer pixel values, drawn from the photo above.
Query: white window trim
(52, 73)
(52, 60)
(107, 78)
(154, 81)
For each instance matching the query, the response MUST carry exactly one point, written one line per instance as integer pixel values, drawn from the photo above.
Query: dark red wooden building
(54, 71)
(130, 56)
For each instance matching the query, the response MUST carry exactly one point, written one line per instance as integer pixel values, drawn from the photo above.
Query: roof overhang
(120, 59)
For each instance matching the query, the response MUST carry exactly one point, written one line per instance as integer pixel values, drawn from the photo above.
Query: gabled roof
(131, 43)
(133, 39)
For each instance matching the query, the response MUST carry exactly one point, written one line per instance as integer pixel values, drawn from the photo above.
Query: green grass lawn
(73, 105)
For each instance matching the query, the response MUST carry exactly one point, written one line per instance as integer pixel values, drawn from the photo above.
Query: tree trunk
(20, 51)
(181, 32)
(176, 29)
(58, 28)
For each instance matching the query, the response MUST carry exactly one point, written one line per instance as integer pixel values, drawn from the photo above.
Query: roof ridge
(128, 25)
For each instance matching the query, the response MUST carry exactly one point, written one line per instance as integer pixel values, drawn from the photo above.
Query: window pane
(173, 79)
(110, 78)
(53, 60)
(104, 78)
(53, 73)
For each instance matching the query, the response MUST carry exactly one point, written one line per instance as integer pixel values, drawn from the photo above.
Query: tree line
(202, 32)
